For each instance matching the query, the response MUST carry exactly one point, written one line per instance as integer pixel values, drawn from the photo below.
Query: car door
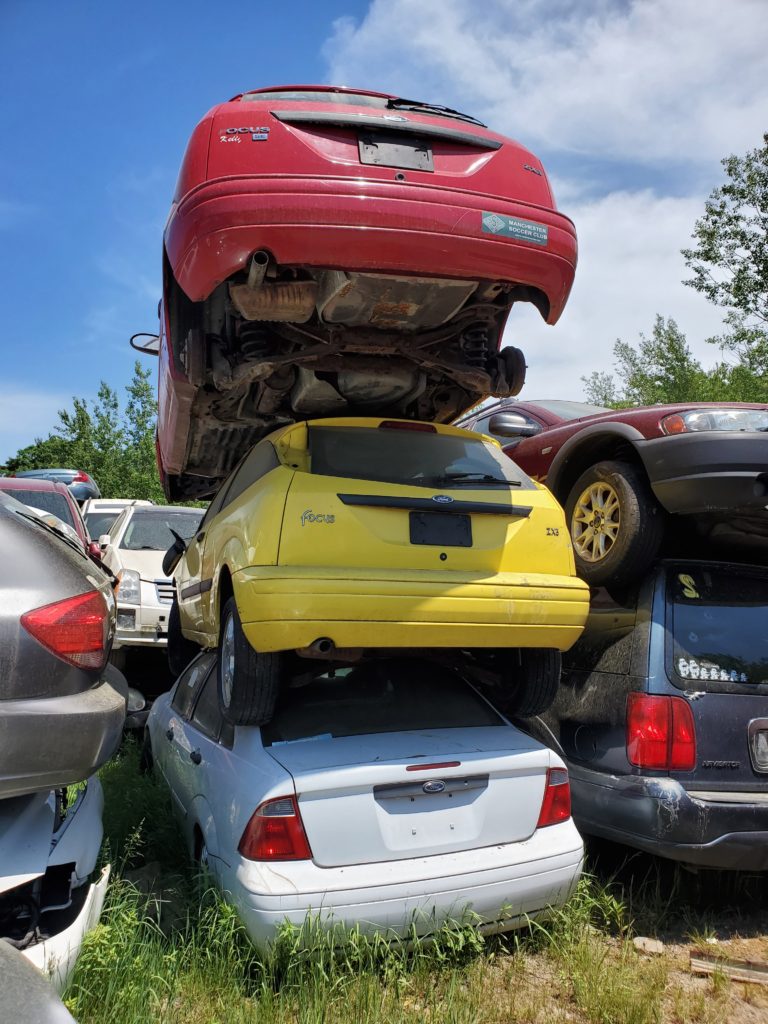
(189, 573)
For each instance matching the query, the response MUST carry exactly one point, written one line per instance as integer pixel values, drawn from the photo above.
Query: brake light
(660, 733)
(81, 478)
(275, 832)
(75, 629)
(556, 805)
(424, 428)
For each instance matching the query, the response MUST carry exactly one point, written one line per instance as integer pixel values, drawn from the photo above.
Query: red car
(618, 472)
(54, 497)
(341, 251)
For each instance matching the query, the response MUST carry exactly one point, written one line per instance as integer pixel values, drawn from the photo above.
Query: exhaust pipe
(325, 649)
(257, 268)
(324, 645)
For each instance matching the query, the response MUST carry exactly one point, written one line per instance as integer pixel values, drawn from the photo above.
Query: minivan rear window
(411, 456)
(718, 635)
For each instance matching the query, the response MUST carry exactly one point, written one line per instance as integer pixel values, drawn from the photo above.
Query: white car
(133, 550)
(100, 513)
(387, 796)
(50, 892)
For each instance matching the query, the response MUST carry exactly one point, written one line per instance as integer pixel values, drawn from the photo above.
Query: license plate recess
(443, 529)
(389, 149)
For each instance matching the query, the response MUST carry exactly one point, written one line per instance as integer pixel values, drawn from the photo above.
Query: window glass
(390, 696)
(100, 522)
(207, 715)
(189, 682)
(259, 461)
(570, 410)
(403, 456)
(719, 639)
(151, 531)
(46, 501)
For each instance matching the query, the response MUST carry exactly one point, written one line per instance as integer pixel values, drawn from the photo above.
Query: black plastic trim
(389, 124)
(428, 505)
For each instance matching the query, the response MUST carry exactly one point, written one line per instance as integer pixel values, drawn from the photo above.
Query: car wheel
(616, 524)
(249, 682)
(529, 682)
(514, 366)
(180, 650)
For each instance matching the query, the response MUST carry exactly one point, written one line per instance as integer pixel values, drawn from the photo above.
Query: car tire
(514, 369)
(631, 529)
(180, 650)
(529, 682)
(249, 681)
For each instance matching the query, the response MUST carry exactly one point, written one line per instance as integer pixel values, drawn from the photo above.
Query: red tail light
(425, 428)
(275, 832)
(75, 629)
(556, 805)
(81, 478)
(660, 733)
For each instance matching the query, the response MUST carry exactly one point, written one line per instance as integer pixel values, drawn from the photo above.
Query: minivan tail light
(660, 733)
(556, 805)
(75, 629)
(275, 832)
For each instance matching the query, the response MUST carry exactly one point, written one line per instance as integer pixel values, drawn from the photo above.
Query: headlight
(715, 419)
(129, 590)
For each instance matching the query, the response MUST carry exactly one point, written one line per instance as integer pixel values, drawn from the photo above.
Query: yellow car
(339, 539)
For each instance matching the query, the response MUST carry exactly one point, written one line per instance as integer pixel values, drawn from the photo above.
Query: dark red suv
(619, 472)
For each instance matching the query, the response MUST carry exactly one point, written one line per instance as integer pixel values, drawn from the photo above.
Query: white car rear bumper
(495, 887)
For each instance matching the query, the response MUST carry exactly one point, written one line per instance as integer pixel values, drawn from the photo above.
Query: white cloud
(647, 81)
(26, 414)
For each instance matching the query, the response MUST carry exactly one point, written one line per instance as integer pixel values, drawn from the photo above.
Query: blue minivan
(662, 716)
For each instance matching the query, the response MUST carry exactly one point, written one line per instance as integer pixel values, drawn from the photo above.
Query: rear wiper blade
(450, 478)
(432, 108)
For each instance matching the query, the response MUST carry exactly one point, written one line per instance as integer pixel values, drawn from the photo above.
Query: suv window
(410, 456)
(151, 531)
(256, 464)
(716, 629)
(46, 501)
(100, 522)
(394, 696)
(189, 683)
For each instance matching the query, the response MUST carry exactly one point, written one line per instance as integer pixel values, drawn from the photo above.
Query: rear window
(151, 531)
(414, 457)
(355, 99)
(100, 522)
(375, 698)
(718, 639)
(47, 501)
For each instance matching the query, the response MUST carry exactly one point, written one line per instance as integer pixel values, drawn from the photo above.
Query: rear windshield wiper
(471, 478)
(432, 108)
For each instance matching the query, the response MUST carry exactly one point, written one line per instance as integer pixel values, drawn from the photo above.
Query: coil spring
(254, 341)
(474, 345)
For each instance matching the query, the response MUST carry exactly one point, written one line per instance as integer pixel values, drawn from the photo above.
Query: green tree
(116, 447)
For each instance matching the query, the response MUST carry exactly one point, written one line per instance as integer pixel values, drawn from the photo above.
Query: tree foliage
(115, 446)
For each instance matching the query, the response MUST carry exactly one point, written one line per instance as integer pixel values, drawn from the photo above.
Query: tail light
(275, 832)
(660, 733)
(75, 629)
(81, 478)
(556, 805)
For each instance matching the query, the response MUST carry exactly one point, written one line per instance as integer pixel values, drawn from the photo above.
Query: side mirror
(104, 540)
(512, 424)
(147, 348)
(172, 556)
(94, 550)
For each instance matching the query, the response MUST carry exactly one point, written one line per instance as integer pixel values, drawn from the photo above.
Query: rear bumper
(659, 816)
(497, 888)
(57, 741)
(708, 472)
(376, 226)
(288, 608)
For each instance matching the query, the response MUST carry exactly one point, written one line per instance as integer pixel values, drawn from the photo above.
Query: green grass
(170, 950)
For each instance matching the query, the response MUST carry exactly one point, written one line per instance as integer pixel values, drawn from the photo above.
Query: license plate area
(442, 529)
(388, 149)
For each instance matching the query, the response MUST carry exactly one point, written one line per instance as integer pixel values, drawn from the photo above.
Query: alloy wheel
(227, 664)
(596, 521)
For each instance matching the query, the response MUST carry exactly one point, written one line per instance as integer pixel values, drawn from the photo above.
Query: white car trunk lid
(393, 796)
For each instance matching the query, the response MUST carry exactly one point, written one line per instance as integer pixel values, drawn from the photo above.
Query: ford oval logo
(442, 499)
(434, 786)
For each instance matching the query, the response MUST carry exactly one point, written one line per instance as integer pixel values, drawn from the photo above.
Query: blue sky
(630, 103)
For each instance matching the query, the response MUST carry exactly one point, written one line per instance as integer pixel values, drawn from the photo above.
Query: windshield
(411, 456)
(388, 696)
(47, 501)
(100, 522)
(151, 531)
(571, 410)
(719, 639)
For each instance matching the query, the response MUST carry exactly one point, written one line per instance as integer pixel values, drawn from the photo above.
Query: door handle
(169, 733)
(195, 756)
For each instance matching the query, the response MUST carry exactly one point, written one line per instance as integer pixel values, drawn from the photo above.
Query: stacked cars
(61, 715)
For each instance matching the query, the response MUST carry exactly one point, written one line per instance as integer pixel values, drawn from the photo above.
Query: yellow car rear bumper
(285, 608)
